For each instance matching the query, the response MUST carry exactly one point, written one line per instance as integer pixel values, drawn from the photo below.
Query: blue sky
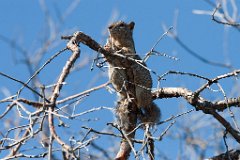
(25, 23)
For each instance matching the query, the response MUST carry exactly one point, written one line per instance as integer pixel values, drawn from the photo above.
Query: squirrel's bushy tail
(150, 114)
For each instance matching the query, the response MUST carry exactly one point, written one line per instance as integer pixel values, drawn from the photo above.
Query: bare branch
(227, 20)
(40, 69)
(198, 102)
(232, 154)
(73, 46)
(82, 93)
(16, 80)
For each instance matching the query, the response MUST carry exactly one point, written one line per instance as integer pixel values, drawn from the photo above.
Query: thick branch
(72, 45)
(88, 41)
(199, 102)
(232, 154)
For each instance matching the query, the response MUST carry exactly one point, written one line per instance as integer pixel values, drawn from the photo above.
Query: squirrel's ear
(131, 25)
(110, 26)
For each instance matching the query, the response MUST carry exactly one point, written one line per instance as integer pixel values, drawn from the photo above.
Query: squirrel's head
(121, 30)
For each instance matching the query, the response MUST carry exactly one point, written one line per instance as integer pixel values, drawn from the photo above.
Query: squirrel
(129, 75)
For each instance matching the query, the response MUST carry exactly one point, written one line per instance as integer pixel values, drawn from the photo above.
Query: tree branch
(73, 46)
(199, 102)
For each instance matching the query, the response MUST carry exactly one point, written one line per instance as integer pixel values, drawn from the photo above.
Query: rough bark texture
(230, 155)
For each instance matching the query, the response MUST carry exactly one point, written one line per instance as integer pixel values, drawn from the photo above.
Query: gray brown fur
(130, 78)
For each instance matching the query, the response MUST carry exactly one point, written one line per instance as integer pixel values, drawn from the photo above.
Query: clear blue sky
(25, 22)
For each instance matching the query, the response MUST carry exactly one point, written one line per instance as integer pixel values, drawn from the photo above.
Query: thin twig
(228, 22)
(40, 69)
(16, 80)
(83, 93)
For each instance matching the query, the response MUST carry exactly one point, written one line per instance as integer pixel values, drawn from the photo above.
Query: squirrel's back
(130, 77)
